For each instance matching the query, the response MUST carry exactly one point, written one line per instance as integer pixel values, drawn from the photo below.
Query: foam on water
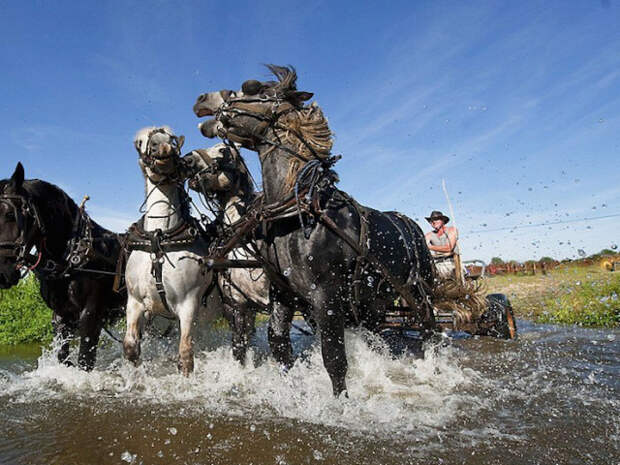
(385, 394)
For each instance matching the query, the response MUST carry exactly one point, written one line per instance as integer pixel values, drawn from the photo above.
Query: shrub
(24, 317)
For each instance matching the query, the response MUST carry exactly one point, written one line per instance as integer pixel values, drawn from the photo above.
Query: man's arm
(427, 236)
(452, 234)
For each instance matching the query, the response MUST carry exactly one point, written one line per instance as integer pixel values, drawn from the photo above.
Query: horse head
(14, 231)
(218, 170)
(159, 152)
(244, 116)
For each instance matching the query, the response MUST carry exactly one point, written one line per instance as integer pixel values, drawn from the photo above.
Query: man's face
(437, 224)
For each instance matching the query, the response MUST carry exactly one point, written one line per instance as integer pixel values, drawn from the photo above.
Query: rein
(78, 252)
(305, 197)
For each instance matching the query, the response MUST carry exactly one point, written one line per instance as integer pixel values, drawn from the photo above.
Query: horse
(75, 260)
(346, 261)
(220, 175)
(164, 273)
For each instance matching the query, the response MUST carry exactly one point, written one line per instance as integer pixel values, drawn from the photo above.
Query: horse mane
(307, 133)
(304, 128)
(51, 197)
(287, 78)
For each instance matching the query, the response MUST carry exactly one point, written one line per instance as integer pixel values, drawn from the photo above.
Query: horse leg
(331, 325)
(236, 317)
(279, 334)
(135, 324)
(91, 324)
(64, 332)
(186, 344)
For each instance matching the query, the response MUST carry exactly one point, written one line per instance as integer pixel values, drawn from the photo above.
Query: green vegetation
(24, 317)
(570, 294)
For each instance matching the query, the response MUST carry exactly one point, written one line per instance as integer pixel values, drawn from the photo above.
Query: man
(441, 242)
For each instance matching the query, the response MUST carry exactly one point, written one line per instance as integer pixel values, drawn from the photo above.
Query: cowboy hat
(437, 215)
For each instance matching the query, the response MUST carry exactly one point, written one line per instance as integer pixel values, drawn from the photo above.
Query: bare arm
(452, 234)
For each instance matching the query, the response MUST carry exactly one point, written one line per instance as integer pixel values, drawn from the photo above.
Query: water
(549, 397)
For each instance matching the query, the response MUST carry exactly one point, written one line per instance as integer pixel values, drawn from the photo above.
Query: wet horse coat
(320, 265)
(183, 279)
(82, 301)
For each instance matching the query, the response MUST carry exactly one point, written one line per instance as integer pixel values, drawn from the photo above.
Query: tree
(497, 261)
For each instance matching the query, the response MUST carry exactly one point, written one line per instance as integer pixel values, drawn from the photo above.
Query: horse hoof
(186, 368)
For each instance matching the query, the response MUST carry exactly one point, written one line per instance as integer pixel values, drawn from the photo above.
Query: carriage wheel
(500, 313)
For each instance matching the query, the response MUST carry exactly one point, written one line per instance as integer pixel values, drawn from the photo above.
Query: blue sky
(515, 104)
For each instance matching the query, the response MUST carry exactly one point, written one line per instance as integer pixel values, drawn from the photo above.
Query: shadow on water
(551, 396)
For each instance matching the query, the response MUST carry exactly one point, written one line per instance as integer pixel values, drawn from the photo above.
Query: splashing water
(385, 393)
(543, 398)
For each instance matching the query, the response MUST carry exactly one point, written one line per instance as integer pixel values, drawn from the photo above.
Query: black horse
(346, 261)
(75, 260)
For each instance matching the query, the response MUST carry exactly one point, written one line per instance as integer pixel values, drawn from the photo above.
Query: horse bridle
(226, 107)
(29, 225)
(150, 159)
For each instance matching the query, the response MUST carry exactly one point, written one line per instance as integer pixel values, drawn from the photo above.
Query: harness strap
(429, 322)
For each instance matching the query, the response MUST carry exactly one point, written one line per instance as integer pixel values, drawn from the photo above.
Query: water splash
(385, 393)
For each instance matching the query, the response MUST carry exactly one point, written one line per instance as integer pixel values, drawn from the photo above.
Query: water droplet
(287, 272)
(330, 312)
(310, 258)
(128, 457)
(312, 286)
(581, 252)
(209, 436)
(252, 428)
(614, 246)
(317, 455)
(173, 430)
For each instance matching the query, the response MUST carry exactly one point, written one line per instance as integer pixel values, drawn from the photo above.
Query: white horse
(165, 248)
(221, 176)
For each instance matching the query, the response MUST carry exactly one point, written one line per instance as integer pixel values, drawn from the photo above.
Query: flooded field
(552, 396)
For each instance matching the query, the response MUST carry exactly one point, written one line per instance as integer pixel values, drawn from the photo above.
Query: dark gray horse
(347, 262)
(37, 214)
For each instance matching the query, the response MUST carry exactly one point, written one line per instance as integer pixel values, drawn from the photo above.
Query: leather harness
(306, 198)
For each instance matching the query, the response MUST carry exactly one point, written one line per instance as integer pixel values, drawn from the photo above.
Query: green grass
(570, 294)
(590, 303)
(24, 317)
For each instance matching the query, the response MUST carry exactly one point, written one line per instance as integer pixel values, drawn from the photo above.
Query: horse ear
(251, 87)
(181, 141)
(302, 96)
(17, 180)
